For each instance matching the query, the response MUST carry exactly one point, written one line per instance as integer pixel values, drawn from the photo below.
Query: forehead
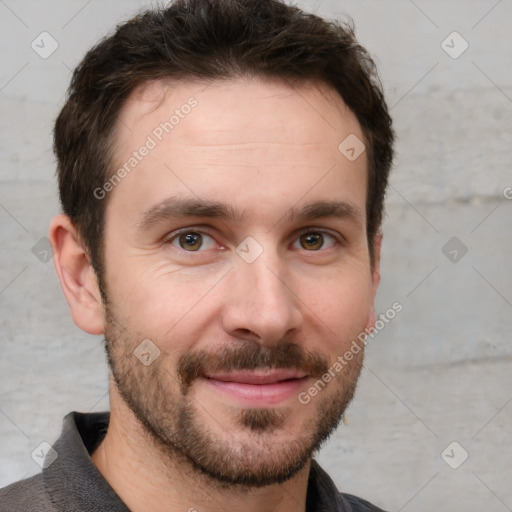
(240, 140)
(297, 113)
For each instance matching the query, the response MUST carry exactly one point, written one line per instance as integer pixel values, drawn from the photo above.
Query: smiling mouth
(255, 388)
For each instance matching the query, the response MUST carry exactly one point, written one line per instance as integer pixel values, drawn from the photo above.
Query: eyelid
(338, 237)
(204, 230)
(199, 228)
(317, 229)
(170, 237)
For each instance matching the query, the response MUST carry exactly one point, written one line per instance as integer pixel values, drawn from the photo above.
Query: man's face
(249, 301)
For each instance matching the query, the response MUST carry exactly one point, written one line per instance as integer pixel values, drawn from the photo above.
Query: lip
(258, 388)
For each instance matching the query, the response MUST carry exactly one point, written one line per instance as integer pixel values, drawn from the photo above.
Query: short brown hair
(208, 40)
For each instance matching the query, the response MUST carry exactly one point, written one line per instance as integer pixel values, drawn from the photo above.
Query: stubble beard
(252, 454)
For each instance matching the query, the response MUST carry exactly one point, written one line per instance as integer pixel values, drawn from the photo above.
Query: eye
(191, 241)
(315, 240)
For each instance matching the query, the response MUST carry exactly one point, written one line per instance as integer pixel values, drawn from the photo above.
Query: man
(222, 166)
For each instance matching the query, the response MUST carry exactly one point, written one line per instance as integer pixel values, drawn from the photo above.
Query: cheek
(159, 304)
(342, 304)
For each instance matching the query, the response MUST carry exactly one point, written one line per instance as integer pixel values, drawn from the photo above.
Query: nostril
(247, 333)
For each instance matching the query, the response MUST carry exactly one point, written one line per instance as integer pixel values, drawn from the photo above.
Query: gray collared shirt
(72, 483)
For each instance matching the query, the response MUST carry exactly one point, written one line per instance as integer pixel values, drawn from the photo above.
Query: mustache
(250, 356)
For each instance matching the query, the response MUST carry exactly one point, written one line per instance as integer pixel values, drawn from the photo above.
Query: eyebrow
(179, 207)
(325, 208)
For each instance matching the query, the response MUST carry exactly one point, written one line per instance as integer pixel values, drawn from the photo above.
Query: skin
(264, 148)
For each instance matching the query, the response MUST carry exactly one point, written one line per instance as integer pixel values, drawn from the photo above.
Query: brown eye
(312, 241)
(190, 241)
(315, 241)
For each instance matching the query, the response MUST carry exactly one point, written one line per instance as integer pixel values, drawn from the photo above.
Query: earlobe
(377, 245)
(372, 318)
(76, 274)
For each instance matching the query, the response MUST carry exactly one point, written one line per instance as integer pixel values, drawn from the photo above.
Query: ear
(76, 274)
(377, 245)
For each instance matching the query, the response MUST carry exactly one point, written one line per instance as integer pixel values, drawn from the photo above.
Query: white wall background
(439, 372)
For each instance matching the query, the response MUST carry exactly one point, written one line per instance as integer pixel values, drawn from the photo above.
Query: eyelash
(169, 239)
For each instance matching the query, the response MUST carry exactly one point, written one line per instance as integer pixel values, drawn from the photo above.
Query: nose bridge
(262, 300)
(267, 280)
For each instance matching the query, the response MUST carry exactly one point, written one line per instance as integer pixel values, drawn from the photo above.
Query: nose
(261, 304)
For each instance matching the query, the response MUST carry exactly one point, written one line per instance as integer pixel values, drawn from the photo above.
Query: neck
(139, 473)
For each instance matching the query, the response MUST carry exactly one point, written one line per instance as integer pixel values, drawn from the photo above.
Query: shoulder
(27, 495)
(324, 495)
(355, 504)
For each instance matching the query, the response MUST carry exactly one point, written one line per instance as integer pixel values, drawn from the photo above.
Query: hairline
(113, 162)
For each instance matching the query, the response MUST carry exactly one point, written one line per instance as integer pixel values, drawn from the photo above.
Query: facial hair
(162, 399)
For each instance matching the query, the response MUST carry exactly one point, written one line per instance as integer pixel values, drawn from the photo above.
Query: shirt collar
(74, 483)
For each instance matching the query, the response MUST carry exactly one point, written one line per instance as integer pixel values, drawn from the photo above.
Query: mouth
(257, 387)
